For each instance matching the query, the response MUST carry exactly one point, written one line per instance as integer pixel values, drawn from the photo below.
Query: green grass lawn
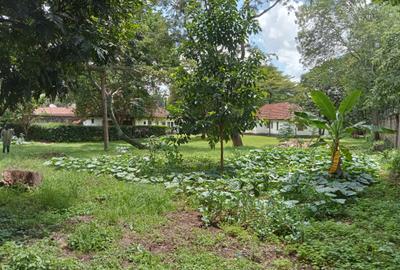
(76, 220)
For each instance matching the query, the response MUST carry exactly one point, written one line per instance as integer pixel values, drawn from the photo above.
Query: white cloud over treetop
(278, 36)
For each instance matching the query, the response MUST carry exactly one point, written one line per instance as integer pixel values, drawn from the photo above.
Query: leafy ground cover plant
(275, 191)
(163, 157)
(272, 191)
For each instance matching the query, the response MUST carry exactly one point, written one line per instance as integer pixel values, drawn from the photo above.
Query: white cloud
(278, 34)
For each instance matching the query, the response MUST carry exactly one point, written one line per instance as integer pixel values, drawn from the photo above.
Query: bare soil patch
(182, 231)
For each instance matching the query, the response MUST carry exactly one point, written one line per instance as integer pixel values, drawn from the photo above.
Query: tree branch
(266, 10)
(93, 80)
(134, 142)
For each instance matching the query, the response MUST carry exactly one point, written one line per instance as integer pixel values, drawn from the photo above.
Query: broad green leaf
(311, 119)
(348, 103)
(319, 124)
(358, 126)
(324, 104)
(388, 130)
(346, 152)
(320, 142)
(305, 115)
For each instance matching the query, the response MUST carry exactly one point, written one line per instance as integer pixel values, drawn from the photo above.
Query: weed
(92, 237)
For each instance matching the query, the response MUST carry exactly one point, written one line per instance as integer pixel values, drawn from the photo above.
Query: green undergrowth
(273, 191)
(79, 217)
(367, 236)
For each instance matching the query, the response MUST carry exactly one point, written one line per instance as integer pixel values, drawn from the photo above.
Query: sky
(279, 31)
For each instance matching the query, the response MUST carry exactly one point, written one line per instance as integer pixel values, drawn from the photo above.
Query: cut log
(13, 177)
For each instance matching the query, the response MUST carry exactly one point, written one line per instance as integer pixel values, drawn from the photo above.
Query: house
(278, 116)
(159, 117)
(54, 114)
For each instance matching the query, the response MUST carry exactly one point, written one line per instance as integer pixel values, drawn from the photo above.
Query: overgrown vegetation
(394, 164)
(277, 195)
(271, 191)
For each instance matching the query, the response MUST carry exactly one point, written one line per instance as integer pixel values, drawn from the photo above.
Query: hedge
(71, 133)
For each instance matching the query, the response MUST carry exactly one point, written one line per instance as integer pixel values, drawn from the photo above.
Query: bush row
(70, 133)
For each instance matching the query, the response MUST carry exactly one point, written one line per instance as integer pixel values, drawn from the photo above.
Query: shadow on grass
(32, 214)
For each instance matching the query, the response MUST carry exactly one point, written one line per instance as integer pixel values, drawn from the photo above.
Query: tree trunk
(376, 136)
(397, 143)
(236, 139)
(105, 110)
(121, 135)
(26, 130)
(221, 138)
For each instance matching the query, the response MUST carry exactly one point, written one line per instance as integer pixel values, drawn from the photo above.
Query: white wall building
(278, 116)
(158, 118)
(93, 122)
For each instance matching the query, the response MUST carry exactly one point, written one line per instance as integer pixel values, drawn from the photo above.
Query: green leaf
(341, 201)
(358, 126)
(346, 152)
(305, 115)
(348, 103)
(324, 104)
(311, 119)
(388, 130)
(318, 143)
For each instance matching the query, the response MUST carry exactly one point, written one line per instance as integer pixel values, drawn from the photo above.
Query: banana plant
(333, 121)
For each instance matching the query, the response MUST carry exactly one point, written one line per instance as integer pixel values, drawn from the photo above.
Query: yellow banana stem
(335, 160)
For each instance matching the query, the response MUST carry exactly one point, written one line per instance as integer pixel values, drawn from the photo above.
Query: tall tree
(178, 10)
(146, 51)
(43, 42)
(345, 35)
(277, 86)
(386, 92)
(217, 88)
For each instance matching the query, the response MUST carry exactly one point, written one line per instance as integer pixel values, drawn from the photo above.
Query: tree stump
(13, 177)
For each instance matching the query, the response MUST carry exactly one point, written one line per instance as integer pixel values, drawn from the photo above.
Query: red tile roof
(277, 111)
(55, 111)
(160, 112)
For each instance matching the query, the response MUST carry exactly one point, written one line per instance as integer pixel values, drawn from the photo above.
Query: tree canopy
(217, 87)
(340, 41)
(43, 42)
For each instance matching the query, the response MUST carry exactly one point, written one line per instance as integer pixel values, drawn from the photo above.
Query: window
(144, 123)
(92, 120)
(277, 125)
(163, 123)
(150, 123)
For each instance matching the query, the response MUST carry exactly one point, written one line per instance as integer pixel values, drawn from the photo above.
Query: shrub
(71, 133)
(382, 145)
(285, 133)
(394, 165)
